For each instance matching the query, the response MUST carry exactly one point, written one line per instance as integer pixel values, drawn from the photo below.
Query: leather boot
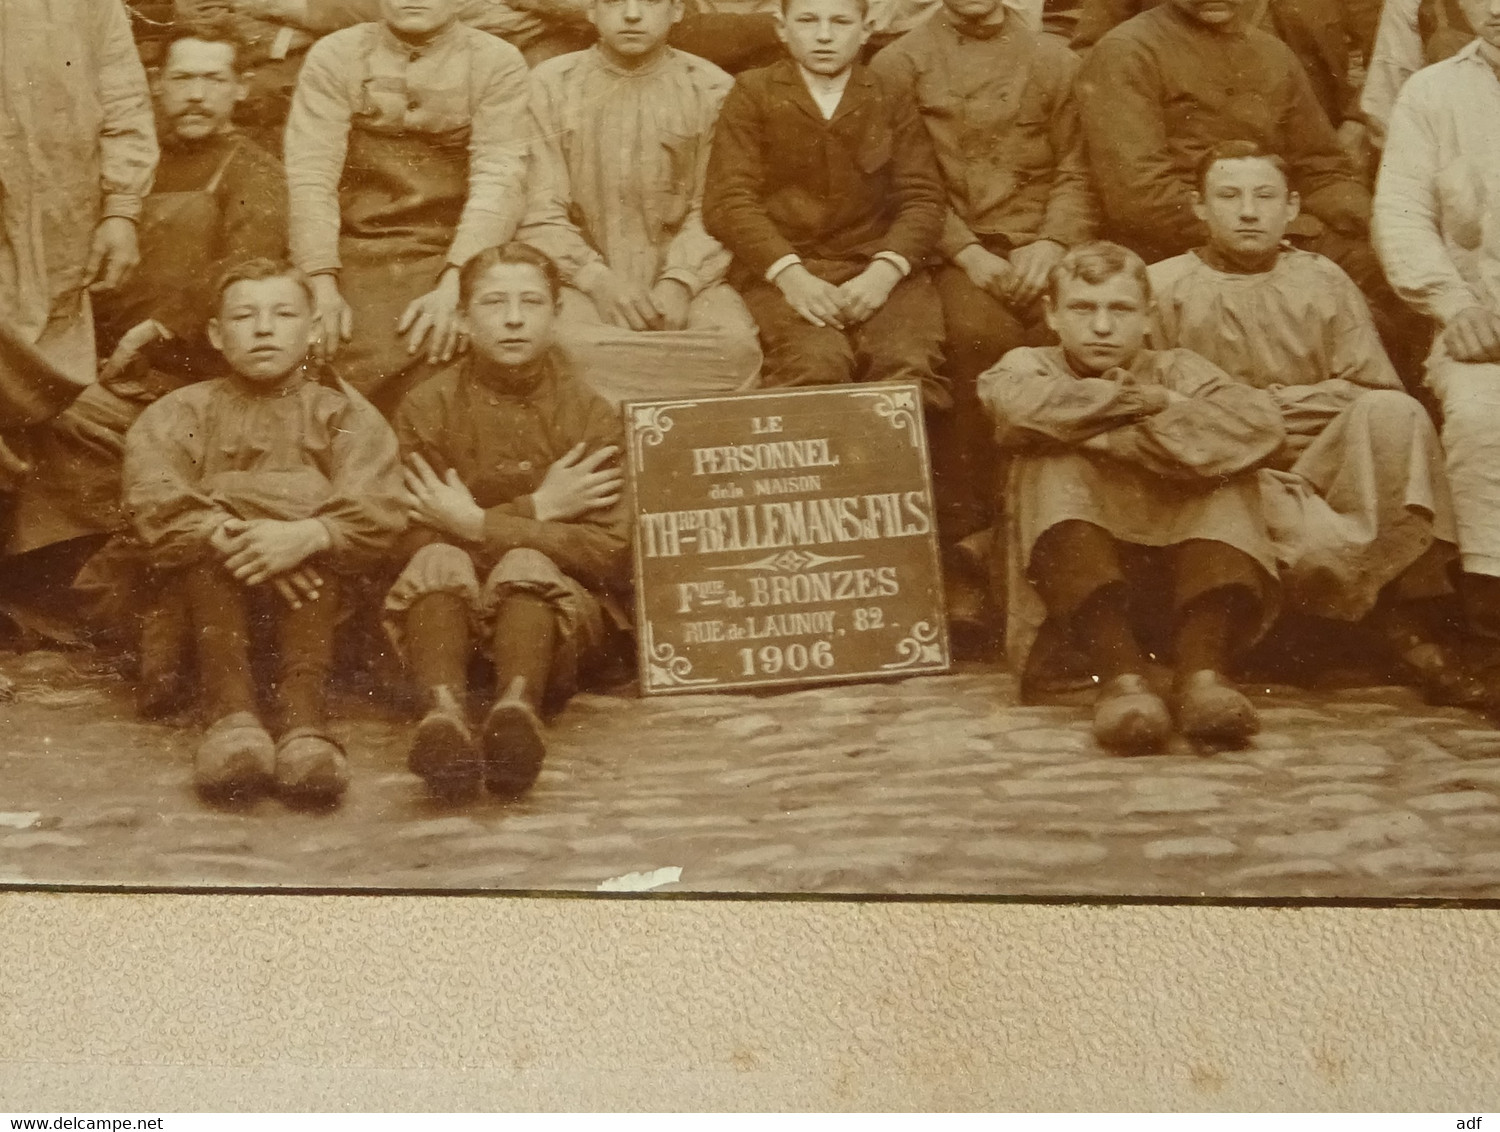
(443, 752)
(512, 739)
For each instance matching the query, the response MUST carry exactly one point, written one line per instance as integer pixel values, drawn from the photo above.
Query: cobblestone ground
(930, 785)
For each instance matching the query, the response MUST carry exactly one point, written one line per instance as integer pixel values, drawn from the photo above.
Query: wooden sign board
(784, 538)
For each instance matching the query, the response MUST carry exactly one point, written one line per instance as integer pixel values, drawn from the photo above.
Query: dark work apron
(400, 201)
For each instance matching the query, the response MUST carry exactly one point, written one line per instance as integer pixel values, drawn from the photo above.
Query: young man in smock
(258, 495)
(1131, 480)
(405, 155)
(520, 535)
(620, 138)
(1357, 498)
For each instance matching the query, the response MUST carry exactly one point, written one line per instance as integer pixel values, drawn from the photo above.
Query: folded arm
(1032, 404)
(1212, 426)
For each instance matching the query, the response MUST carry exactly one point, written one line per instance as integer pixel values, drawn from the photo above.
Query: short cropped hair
(1096, 263)
(514, 252)
(1238, 150)
(261, 268)
(209, 29)
(863, 5)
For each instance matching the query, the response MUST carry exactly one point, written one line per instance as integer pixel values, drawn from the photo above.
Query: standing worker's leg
(1470, 399)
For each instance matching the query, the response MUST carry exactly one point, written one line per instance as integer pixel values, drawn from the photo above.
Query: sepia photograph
(1031, 449)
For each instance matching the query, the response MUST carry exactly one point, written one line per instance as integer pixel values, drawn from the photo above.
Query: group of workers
(338, 301)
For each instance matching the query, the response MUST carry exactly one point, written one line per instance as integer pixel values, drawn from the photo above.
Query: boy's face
(1247, 206)
(824, 36)
(418, 18)
(198, 88)
(509, 315)
(1101, 325)
(1484, 17)
(631, 29)
(263, 328)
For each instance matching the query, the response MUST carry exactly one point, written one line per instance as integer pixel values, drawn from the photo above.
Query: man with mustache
(218, 198)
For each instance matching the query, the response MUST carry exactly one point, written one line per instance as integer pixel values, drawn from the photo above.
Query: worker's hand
(1474, 336)
(621, 303)
(264, 548)
(224, 535)
(113, 254)
(135, 340)
(1033, 263)
(335, 321)
(991, 273)
(817, 300)
(671, 300)
(433, 318)
(298, 587)
(443, 503)
(867, 292)
(577, 484)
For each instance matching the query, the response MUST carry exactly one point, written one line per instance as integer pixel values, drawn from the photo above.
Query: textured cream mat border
(155, 1003)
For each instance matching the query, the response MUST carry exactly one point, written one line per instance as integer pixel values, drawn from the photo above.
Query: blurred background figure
(77, 155)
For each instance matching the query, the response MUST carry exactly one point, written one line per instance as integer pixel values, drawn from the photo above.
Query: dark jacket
(783, 180)
(1326, 35)
(1162, 89)
(501, 443)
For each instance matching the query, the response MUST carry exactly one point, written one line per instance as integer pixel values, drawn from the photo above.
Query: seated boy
(1130, 457)
(823, 185)
(620, 137)
(255, 493)
(1357, 498)
(519, 527)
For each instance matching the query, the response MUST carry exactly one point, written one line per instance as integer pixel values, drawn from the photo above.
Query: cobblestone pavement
(930, 785)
